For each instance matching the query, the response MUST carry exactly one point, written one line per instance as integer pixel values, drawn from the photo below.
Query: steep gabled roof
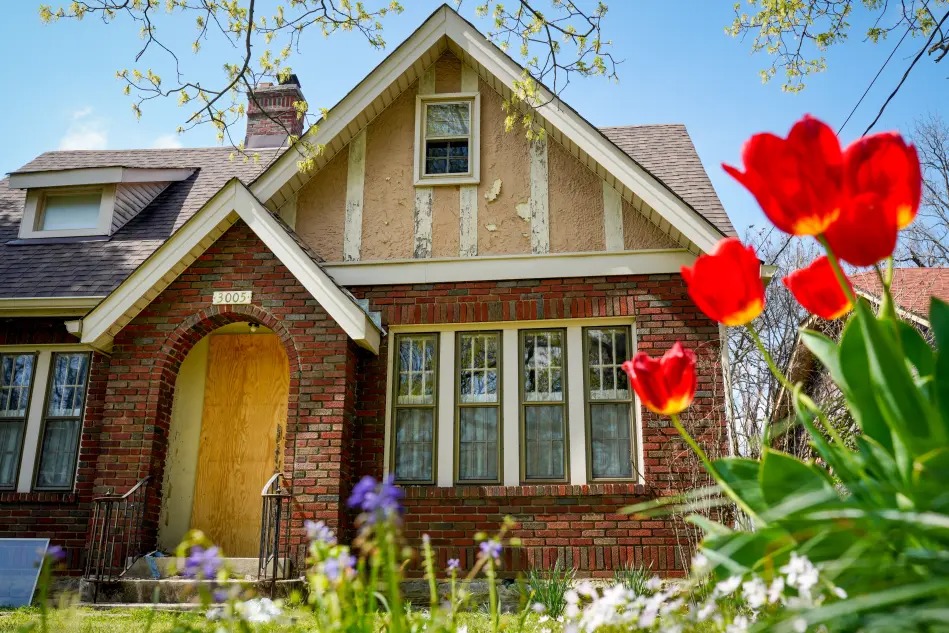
(445, 30)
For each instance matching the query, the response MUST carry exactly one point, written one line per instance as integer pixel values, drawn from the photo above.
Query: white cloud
(85, 132)
(167, 141)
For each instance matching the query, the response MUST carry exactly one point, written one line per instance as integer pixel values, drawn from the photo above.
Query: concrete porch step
(170, 567)
(177, 591)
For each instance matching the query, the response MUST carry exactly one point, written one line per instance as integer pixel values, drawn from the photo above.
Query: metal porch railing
(117, 535)
(274, 559)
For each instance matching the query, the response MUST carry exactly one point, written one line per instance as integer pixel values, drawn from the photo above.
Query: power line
(877, 76)
(937, 29)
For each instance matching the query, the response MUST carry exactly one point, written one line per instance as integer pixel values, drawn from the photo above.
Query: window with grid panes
(479, 406)
(543, 404)
(16, 381)
(447, 137)
(62, 420)
(608, 403)
(416, 372)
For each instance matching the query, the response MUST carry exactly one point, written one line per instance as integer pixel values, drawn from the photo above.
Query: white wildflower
(801, 573)
(799, 625)
(560, 619)
(706, 610)
(571, 611)
(463, 628)
(700, 563)
(587, 589)
(571, 597)
(728, 586)
(755, 592)
(543, 618)
(259, 610)
(776, 590)
(739, 625)
(654, 584)
(840, 593)
(538, 607)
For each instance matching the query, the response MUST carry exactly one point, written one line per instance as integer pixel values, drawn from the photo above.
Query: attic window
(70, 211)
(448, 143)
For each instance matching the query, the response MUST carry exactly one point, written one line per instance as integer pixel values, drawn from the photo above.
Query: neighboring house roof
(94, 267)
(666, 151)
(912, 288)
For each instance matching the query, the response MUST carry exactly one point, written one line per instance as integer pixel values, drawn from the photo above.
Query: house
(912, 290)
(436, 298)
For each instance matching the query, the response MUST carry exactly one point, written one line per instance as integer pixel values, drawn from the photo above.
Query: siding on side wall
(132, 198)
(321, 208)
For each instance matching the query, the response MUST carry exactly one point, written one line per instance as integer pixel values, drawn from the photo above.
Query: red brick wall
(62, 517)
(149, 350)
(579, 524)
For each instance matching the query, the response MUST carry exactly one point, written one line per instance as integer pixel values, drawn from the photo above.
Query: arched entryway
(226, 437)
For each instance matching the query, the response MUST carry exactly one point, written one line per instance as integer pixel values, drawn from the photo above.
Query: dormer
(88, 202)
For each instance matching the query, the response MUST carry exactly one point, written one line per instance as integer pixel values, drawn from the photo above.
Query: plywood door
(241, 446)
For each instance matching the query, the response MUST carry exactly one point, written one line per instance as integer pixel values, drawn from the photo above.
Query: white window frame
(473, 176)
(576, 423)
(30, 226)
(30, 446)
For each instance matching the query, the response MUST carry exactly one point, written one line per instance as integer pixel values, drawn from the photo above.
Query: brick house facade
(372, 281)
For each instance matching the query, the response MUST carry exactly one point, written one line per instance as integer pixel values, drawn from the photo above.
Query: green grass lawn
(85, 620)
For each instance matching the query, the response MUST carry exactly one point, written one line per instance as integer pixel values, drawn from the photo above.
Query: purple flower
(319, 532)
(491, 549)
(55, 553)
(378, 500)
(203, 562)
(454, 564)
(342, 566)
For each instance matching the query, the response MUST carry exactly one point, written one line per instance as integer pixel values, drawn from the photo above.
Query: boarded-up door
(241, 446)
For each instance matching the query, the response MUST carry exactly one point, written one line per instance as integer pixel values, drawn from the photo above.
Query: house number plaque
(231, 297)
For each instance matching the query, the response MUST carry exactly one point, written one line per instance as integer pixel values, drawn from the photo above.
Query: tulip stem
(785, 382)
(838, 271)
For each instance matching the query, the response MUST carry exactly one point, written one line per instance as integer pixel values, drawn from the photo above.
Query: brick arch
(164, 374)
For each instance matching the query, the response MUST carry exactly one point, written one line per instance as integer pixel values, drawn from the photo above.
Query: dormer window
(447, 127)
(88, 202)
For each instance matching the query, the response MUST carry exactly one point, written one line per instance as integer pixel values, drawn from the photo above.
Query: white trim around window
(40, 415)
(31, 226)
(445, 440)
(467, 136)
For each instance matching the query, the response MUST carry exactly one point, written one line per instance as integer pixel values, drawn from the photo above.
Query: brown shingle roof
(94, 268)
(666, 151)
(911, 287)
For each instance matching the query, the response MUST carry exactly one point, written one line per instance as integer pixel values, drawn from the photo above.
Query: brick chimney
(270, 114)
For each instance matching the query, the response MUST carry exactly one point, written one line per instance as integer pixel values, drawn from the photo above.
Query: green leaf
(710, 527)
(917, 350)
(931, 475)
(782, 476)
(857, 388)
(901, 401)
(741, 475)
(939, 321)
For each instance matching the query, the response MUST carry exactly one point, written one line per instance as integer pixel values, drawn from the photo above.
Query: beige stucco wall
(640, 233)
(388, 216)
(505, 156)
(321, 208)
(184, 435)
(575, 194)
(575, 203)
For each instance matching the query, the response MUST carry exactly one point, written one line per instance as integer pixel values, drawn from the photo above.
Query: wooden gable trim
(232, 203)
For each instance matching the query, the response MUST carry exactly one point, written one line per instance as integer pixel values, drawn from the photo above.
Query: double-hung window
(447, 137)
(608, 403)
(479, 407)
(16, 382)
(42, 402)
(414, 406)
(543, 405)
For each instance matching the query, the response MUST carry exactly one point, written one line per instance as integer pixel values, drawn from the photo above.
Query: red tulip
(817, 289)
(664, 385)
(726, 283)
(798, 180)
(883, 187)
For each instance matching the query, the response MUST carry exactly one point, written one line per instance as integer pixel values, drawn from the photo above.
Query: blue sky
(679, 66)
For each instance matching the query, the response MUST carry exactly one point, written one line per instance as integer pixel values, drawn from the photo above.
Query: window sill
(447, 180)
(547, 490)
(50, 497)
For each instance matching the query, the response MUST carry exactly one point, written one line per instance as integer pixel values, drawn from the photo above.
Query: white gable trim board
(231, 203)
(481, 53)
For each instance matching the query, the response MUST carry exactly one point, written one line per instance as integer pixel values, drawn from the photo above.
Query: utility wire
(937, 29)
(877, 76)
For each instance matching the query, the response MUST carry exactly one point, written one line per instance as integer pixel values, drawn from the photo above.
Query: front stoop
(141, 586)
